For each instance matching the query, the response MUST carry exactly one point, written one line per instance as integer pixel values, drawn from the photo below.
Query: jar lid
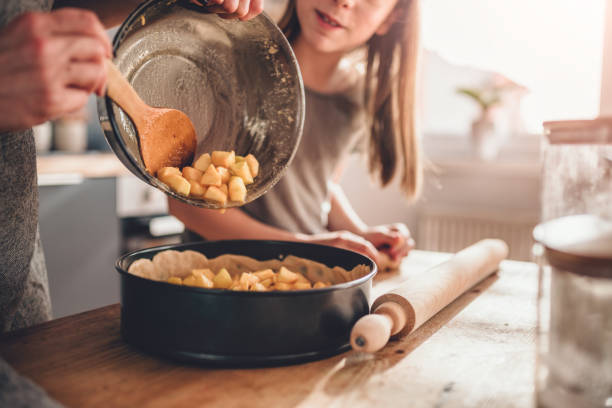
(581, 244)
(589, 131)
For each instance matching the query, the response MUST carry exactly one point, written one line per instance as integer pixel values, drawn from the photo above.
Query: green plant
(486, 98)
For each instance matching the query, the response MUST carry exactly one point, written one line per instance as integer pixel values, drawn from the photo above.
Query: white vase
(43, 135)
(485, 140)
(71, 135)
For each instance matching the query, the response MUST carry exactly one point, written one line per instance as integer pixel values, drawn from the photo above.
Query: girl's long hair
(390, 95)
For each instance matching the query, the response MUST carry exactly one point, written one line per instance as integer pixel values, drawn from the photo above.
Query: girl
(346, 109)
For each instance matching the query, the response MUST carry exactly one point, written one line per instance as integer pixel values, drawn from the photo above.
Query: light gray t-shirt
(24, 288)
(335, 125)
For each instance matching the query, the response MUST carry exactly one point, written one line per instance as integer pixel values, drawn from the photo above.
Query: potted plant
(483, 134)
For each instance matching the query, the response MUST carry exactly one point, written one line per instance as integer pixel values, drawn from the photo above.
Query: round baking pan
(238, 81)
(239, 328)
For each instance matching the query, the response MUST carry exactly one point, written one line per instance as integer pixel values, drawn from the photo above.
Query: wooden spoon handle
(120, 91)
(419, 298)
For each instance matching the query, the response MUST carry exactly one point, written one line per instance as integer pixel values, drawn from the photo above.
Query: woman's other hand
(240, 9)
(49, 64)
(394, 240)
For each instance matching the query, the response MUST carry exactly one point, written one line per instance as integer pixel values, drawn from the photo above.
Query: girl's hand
(240, 9)
(346, 240)
(394, 240)
(49, 64)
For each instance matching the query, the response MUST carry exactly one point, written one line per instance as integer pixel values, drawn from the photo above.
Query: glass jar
(574, 361)
(574, 252)
(577, 168)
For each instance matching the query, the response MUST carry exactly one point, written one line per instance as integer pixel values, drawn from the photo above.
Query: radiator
(450, 233)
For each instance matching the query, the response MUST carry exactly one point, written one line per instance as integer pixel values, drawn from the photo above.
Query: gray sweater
(24, 292)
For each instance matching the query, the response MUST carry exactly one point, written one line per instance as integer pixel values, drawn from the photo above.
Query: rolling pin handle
(396, 313)
(372, 332)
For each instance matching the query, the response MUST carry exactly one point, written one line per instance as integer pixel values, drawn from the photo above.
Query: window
(552, 47)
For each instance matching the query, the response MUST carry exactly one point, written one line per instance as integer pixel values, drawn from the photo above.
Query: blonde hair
(390, 95)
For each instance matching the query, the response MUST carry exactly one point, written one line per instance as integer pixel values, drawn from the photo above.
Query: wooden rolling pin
(405, 308)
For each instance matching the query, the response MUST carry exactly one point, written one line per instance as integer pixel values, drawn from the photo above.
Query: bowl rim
(224, 292)
(135, 168)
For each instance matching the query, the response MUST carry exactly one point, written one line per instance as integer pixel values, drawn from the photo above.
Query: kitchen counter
(477, 352)
(87, 165)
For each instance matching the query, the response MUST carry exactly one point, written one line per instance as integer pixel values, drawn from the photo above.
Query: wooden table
(477, 352)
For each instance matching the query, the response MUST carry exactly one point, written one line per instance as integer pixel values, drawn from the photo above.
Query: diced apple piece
(264, 274)
(178, 184)
(222, 158)
(175, 280)
(191, 173)
(225, 174)
(166, 171)
(248, 280)
(198, 280)
(302, 285)
(267, 282)
(202, 162)
(237, 189)
(197, 190)
(320, 284)
(302, 279)
(239, 158)
(202, 281)
(206, 272)
(286, 276)
(222, 279)
(253, 164)
(224, 188)
(258, 287)
(282, 286)
(211, 177)
(241, 169)
(215, 194)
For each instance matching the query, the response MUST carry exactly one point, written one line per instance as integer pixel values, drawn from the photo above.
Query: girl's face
(342, 25)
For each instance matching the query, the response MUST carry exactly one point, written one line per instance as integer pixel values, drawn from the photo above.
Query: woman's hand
(394, 240)
(346, 240)
(49, 64)
(240, 9)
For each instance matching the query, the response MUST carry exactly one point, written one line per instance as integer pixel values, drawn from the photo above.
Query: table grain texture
(477, 352)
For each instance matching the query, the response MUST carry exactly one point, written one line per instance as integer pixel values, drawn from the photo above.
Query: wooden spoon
(166, 136)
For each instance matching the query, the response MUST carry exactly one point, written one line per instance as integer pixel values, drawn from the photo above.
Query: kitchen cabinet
(81, 235)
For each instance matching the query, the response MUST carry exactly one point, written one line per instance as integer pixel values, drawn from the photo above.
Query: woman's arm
(235, 224)
(342, 216)
(394, 239)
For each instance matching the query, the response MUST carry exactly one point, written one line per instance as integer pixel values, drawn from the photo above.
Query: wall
(606, 79)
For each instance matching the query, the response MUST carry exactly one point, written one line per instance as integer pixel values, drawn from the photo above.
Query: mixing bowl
(238, 82)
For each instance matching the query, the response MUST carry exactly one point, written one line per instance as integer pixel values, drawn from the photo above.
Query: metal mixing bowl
(238, 82)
